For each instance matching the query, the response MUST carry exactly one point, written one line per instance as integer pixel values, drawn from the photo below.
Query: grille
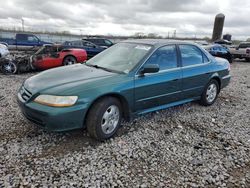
(25, 94)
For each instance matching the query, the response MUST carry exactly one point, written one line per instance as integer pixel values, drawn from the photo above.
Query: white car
(3, 50)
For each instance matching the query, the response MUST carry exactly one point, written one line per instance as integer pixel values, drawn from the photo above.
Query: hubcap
(110, 119)
(211, 93)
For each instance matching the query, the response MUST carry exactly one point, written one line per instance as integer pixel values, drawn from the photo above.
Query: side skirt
(164, 106)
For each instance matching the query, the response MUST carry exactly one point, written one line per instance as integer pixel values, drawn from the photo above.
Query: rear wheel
(9, 67)
(210, 93)
(69, 60)
(104, 118)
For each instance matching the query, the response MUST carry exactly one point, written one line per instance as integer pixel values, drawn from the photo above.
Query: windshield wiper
(104, 68)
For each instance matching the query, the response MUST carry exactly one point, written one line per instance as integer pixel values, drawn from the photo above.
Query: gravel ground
(184, 146)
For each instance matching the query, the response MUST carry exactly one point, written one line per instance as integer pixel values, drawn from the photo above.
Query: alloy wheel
(211, 93)
(9, 68)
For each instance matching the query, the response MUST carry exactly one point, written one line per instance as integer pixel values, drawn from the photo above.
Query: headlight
(56, 101)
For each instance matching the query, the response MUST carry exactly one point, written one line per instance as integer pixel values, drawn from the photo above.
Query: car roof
(82, 40)
(157, 42)
(94, 38)
(214, 45)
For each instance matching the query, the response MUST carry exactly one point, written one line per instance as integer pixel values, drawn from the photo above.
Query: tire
(248, 59)
(208, 98)
(69, 60)
(105, 111)
(9, 67)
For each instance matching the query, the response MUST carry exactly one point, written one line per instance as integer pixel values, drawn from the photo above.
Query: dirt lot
(184, 146)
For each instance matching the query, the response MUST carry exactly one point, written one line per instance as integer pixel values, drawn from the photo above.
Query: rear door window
(205, 58)
(190, 55)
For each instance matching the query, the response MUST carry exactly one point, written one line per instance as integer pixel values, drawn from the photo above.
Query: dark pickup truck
(23, 42)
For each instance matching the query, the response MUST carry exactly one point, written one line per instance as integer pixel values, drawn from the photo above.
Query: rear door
(196, 71)
(163, 87)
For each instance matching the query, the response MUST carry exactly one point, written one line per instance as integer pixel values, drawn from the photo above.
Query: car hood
(64, 76)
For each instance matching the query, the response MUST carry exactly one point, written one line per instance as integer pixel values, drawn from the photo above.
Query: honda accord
(131, 78)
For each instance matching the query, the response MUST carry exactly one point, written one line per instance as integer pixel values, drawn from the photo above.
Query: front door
(163, 87)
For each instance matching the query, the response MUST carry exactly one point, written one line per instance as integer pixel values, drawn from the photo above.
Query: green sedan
(128, 79)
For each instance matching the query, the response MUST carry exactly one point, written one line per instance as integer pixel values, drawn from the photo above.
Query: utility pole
(22, 24)
(81, 33)
(174, 33)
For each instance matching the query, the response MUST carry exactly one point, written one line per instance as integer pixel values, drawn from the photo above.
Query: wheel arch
(217, 78)
(122, 100)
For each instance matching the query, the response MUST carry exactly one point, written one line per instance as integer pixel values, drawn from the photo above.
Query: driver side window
(32, 39)
(165, 57)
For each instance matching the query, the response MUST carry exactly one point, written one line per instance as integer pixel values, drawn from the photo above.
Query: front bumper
(54, 118)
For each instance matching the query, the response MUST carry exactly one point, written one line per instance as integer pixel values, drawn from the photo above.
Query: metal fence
(55, 38)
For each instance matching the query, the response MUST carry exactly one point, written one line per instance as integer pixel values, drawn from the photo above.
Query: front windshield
(122, 57)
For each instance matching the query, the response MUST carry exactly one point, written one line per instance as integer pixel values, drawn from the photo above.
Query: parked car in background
(91, 48)
(23, 41)
(242, 51)
(48, 56)
(128, 79)
(106, 43)
(3, 50)
(223, 42)
(218, 50)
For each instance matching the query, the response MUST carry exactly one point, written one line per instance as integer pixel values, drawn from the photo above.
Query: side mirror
(150, 68)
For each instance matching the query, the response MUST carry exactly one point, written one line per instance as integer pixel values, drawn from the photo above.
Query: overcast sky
(126, 17)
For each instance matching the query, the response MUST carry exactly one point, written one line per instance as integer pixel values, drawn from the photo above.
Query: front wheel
(210, 93)
(104, 118)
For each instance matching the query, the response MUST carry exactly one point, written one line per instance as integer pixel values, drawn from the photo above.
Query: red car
(50, 56)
